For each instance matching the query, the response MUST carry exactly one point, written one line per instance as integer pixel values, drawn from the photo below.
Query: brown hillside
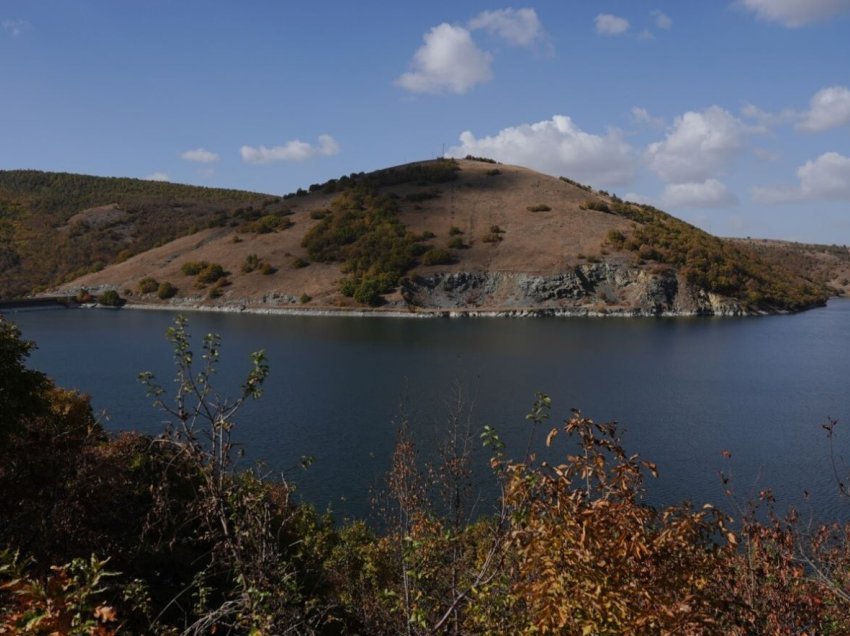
(533, 242)
(517, 241)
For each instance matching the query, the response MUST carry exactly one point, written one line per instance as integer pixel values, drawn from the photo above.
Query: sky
(731, 114)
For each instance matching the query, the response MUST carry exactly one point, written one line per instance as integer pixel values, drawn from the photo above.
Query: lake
(685, 390)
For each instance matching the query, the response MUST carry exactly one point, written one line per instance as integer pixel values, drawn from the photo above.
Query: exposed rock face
(602, 288)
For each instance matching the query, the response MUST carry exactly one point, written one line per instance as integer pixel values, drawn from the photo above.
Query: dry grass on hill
(543, 242)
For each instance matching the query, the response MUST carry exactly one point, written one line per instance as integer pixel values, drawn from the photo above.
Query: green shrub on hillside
(252, 262)
(193, 268)
(437, 256)
(268, 223)
(211, 273)
(481, 159)
(616, 238)
(166, 290)
(364, 233)
(586, 188)
(110, 298)
(148, 285)
(595, 204)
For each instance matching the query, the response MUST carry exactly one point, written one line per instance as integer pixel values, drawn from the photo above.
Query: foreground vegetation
(130, 534)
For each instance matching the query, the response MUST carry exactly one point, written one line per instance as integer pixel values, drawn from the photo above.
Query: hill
(442, 235)
(55, 227)
(828, 265)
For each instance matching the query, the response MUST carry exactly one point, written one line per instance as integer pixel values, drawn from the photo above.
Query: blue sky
(732, 114)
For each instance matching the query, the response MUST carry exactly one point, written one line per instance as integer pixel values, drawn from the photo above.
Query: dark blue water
(684, 389)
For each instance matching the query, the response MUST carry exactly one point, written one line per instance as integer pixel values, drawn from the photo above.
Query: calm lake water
(684, 390)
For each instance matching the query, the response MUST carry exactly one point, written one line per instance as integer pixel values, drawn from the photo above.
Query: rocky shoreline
(429, 313)
(599, 290)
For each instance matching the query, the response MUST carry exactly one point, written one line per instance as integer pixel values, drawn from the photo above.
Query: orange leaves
(105, 614)
(590, 558)
(62, 603)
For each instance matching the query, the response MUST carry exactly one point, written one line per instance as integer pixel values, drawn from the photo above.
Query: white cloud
(710, 193)
(698, 146)
(448, 61)
(200, 155)
(795, 13)
(828, 108)
(825, 178)
(766, 119)
(291, 151)
(157, 176)
(558, 147)
(642, 116)
(662, 21)
(608, 24)
(16, 27)
(520, 27)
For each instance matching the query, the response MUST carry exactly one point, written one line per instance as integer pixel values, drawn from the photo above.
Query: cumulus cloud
(448, 61)
(520, 27)
(200, 155)
(557, 146)
(825, 178)
(607, 24)
(698, 146)
(15, 27)
(828, 108)
(765, 119)
(295, 150)
(795, 13)
(710, 193)
(642, 116)
(662, 21)
(157, 176)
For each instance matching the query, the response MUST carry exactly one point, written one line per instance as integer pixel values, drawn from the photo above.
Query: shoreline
(419, 313)
(432, 314)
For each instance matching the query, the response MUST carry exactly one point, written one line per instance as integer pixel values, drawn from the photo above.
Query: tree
(21, 389)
